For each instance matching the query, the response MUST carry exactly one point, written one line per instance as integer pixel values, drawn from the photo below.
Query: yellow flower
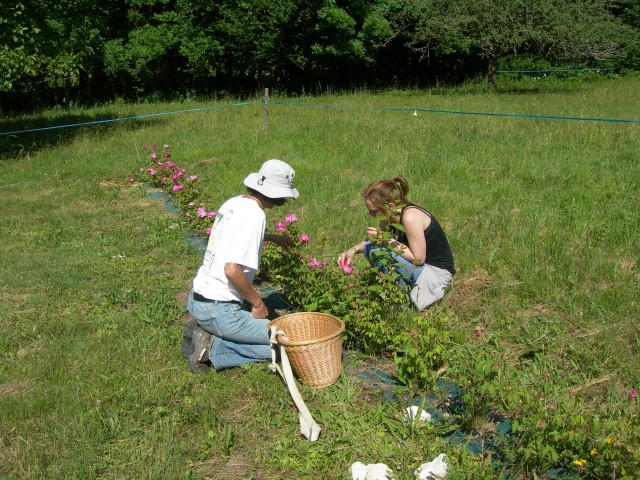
(580, 463)
(609, 441)
(593, 452)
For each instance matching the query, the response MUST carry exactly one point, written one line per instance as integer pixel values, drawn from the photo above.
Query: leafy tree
(241, 44)
(335, 33)
(50, 48)
(46, 42)
(627, 10)
(200, 44)
(563, 29)
(18, 56)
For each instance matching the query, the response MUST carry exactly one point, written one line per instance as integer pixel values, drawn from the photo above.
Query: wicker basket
(313, 346)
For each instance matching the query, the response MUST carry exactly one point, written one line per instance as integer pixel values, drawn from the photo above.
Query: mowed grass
(542, 216)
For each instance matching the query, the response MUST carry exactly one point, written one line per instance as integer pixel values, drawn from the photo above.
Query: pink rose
(290, 218)
(281, 227)
(304, 238)
(314, 263)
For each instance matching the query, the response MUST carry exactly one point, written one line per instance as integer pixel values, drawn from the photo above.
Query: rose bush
(163, 173)
(545, 433)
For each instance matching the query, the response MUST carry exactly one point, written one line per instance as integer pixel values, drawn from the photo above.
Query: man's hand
(237, 279)
(280, 240)
(259, 310)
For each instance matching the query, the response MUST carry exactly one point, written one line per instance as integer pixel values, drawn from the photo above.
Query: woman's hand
(376, 235)
(374, 232)
(345, 257)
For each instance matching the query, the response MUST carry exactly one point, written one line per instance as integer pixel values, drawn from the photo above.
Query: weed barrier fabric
(165, 197)
(474, 442)
(379, 381)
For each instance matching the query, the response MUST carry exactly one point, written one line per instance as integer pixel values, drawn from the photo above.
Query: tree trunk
(492, 76)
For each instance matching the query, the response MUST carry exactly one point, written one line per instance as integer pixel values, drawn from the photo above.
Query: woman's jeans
(238, 337)
(384, 258)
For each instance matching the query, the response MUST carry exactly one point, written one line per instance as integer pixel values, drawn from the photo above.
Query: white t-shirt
(236, 237)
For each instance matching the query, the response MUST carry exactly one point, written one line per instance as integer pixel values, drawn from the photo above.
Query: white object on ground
(308, 427)
(436, 469)
(371, 471)
(411, 413)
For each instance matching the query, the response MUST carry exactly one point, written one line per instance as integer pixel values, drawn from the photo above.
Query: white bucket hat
(273, 180)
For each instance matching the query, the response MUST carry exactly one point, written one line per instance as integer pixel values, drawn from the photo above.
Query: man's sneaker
(196, 343)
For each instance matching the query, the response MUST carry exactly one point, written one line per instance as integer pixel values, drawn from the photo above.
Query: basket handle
(308, 427)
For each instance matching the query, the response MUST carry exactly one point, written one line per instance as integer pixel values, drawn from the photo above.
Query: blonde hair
(382, 193)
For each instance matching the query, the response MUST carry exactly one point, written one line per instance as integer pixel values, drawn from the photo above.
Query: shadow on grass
(20, 137)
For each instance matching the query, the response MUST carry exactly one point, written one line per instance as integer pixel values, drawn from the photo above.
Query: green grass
(542, 216)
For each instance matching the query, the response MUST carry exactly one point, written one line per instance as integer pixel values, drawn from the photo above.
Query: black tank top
(438, 249)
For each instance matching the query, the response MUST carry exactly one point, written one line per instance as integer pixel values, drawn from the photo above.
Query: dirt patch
(15, 389)
(182, 297)
(208, 161)
(596, 387)
(109, 184)
(29, 350)
(469, 291)
(237, 467)
(628, 264)
(538, 310)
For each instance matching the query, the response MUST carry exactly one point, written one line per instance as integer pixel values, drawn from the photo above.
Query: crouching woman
(419, 251)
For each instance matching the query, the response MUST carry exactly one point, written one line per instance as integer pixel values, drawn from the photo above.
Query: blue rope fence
(456, 112)
(558, 70)
(300, 105)
(135, 117)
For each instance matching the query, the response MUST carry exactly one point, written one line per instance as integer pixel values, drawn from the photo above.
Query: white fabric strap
(308, 427)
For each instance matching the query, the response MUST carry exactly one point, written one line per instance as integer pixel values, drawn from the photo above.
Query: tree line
(54, 52)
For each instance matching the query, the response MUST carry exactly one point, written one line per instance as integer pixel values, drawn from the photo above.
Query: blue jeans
(408, 272)
(238, 337)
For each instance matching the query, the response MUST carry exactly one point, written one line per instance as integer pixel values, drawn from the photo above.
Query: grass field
(543, 217)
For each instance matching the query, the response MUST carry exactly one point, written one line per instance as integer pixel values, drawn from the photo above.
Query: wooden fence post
(266, 111)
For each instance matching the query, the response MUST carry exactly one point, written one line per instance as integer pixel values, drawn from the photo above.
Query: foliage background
(85, 51)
